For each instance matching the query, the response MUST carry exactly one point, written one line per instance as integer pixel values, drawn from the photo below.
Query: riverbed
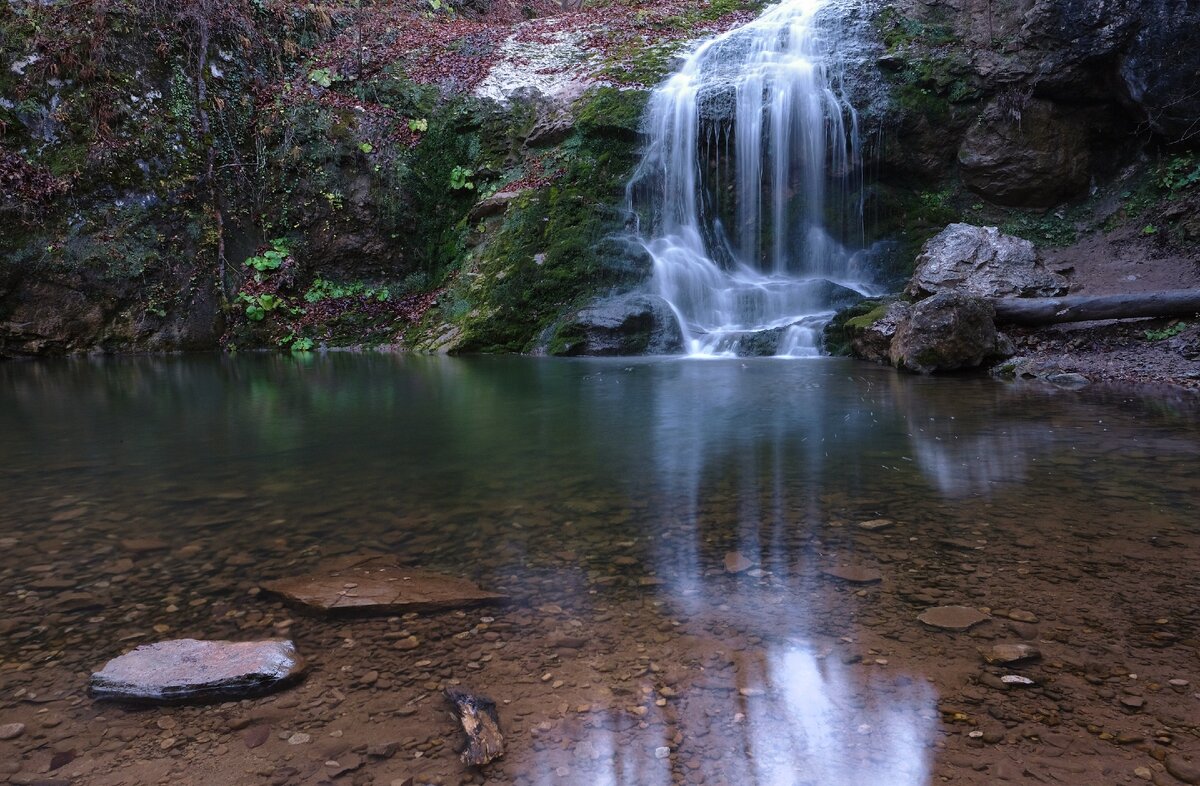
(715, 569)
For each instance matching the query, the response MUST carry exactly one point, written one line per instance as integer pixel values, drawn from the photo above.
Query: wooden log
(1084, 308)
(479, 720)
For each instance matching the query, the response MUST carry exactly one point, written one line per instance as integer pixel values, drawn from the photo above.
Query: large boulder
(871, 335)
(630, 324)
(1026, 153)
(947, 332)
(981, 261)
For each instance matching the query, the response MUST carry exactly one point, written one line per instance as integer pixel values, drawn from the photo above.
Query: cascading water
(752, 175)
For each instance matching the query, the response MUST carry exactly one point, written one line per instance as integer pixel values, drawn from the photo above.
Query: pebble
(875, 524)
(736, 562)
(10, 731)
(1182, 769)
(299, 738)
(662, 752)
(1132, 702)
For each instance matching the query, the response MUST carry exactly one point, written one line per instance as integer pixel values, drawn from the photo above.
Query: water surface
(604, 497)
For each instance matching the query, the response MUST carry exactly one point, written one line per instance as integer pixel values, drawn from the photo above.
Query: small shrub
(1170, 331)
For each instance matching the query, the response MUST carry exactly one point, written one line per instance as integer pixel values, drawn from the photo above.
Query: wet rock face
(190, 670)
(947, 332)
(1026, 153)
(633, 324)
(1159, 70)
(983, 262)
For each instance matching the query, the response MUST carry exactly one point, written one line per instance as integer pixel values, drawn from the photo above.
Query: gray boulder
(871, 335)
(947, 332)
(629, 324)
(982, 262)
(190, 670)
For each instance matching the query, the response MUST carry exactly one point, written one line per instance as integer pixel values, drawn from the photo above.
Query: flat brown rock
(378, 585)
(736, 562)
(1010, 653)
(953, 617)
(854, 574)
(184, 670)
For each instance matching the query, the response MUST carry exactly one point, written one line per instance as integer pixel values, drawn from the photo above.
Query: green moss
(609, 110)
(555, 246)
(860, 323)
(1051, 230)
(851, 322)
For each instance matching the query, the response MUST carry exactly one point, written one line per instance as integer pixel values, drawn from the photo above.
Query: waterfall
(751, 186)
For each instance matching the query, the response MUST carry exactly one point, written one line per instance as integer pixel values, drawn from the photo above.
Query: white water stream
(754, 131)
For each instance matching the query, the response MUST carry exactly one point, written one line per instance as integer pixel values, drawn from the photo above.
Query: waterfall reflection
(805, 722)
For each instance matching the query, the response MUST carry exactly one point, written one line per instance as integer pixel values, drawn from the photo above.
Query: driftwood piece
(1083, 308)
(479, 720)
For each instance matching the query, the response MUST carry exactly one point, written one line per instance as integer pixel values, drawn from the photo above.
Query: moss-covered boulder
(947, 332)
(630, 324)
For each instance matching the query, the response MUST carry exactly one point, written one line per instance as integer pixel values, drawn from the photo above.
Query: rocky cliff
(449, 175)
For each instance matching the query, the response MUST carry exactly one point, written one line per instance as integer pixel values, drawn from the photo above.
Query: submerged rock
(378, 584)
(736, 562)
(631, 324)
(187, 670)
(854, 574)
(983, 262)
(1010, 653)
(948, 332)
(953, 617)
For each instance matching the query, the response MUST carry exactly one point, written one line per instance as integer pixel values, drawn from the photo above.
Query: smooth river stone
(953, 617)
(1010, 653)
(377, 584)
(190, 670)
(736, 562)
(854, 575)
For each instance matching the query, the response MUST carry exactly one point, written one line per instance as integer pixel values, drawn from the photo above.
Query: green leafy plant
(366, 147)
(271, 259)
(258, 306)
(1180, 173)
(420, 125)
(322, 76)
(297, 343)
(1149, 229)
(460, 178)
(1170, 331)
(323, 289)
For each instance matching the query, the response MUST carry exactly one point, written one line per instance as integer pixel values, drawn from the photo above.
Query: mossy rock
(611, 111)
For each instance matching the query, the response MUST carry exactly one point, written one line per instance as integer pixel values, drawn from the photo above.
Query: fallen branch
(479, 720)
(1084, 308)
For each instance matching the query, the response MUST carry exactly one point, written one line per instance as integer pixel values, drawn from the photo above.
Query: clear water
(603, 496)
(751, 182)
